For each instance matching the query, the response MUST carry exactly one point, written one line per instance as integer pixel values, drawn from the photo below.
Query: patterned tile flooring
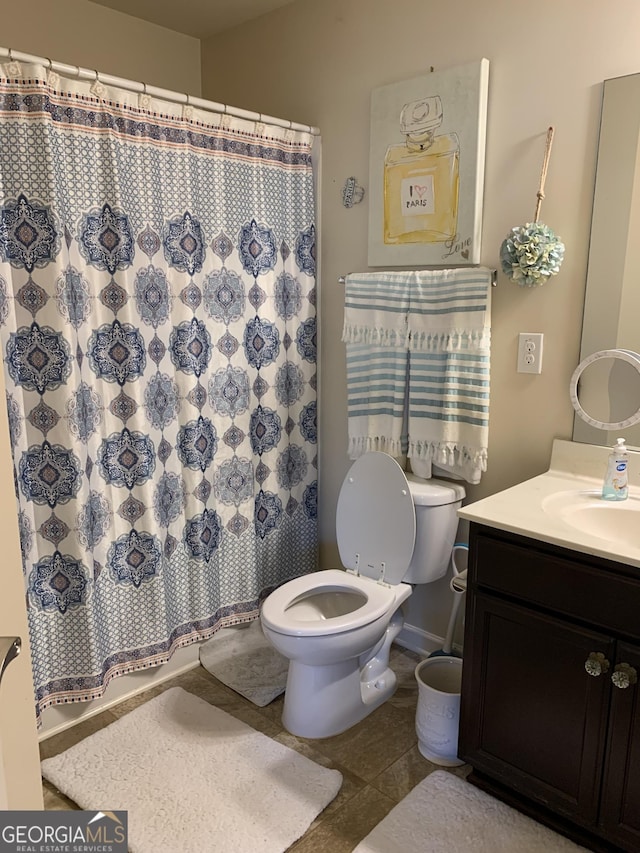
(378, 758)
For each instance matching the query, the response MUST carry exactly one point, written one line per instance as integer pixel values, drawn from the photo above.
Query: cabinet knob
(624, 675)
(596, 664)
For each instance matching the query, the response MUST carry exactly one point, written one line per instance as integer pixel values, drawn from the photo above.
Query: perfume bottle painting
(426, 168)
(422, 178)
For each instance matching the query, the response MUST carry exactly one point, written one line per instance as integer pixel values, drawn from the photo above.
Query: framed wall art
(426, 168)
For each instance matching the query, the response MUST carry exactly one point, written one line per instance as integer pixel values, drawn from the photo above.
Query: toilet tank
(436, 503)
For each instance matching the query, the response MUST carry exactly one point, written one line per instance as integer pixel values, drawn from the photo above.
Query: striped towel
(450, 310)
(449, 412)
(449, 338)
(376, 312)
(376, 399)
(418, 366)
(376, 308)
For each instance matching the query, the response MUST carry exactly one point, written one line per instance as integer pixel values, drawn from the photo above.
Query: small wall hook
(352, 192)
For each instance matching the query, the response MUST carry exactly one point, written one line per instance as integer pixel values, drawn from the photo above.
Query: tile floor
(379, 758)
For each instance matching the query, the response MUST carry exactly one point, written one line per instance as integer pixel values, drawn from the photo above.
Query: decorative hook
(352, 192)
(13, 66)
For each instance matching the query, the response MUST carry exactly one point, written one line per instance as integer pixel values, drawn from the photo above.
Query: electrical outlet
(530, 352)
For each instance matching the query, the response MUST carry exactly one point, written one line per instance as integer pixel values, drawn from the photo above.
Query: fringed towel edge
(450, 453)
(450, 341)
(358, 445)
(353, 333)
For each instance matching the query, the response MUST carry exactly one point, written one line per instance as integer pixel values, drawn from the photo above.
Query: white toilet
(336, 627)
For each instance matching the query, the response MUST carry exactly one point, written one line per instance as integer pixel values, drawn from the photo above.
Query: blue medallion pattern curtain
(157, 311)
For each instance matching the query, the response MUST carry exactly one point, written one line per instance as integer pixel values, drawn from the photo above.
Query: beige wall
(20, 786)
(317, 62)
(81, 33)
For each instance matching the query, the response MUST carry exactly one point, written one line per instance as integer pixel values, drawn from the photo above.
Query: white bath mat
(192, 777)
(445, 814)
(243, 659)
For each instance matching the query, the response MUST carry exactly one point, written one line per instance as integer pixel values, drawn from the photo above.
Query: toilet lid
(376, 519)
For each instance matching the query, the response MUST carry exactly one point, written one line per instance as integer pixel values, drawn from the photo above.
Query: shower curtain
(157, 311)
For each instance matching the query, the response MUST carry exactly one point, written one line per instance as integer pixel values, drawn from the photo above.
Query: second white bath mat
(243, 659)
(445, 814)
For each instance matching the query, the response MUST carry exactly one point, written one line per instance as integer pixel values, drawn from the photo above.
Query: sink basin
(614, 521)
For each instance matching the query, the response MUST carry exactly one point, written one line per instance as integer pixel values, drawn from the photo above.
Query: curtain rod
(154, 91)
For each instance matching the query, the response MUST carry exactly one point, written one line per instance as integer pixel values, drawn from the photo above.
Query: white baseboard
(421, 642)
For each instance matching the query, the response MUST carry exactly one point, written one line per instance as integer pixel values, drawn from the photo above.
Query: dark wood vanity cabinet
(540, 731)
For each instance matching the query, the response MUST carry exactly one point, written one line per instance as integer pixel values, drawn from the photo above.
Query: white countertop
(573, 467)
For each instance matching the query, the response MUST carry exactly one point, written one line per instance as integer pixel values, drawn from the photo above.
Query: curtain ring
(188, 100)
(144, 88)
(49, 63)
(10, 55)
(97, 80)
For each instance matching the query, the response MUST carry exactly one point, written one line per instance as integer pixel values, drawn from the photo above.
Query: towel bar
(494, 278)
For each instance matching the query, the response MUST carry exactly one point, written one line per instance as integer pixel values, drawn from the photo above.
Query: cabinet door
(531, 716)
(621, 792)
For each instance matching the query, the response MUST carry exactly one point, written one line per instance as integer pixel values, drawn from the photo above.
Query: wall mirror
(612, 302)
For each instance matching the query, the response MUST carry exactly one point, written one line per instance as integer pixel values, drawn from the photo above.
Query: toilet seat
(278, 611)
(376, 531)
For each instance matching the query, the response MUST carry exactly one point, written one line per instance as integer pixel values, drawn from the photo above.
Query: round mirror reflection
(605, 389)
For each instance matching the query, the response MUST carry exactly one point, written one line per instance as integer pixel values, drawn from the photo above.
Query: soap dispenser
(615, 487)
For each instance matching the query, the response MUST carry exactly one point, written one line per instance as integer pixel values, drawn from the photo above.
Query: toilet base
(322, 701)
